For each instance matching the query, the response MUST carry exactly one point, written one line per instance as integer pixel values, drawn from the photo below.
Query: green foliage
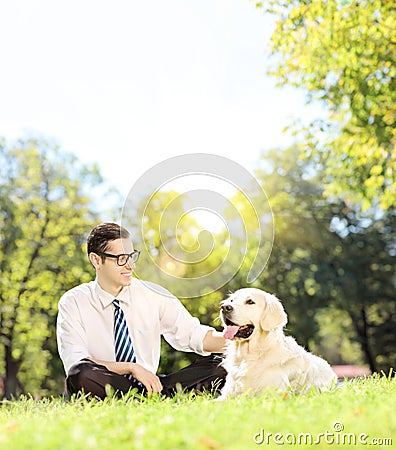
(173, 244)
(45, 215)
(329, 259)
(175, 247)
(188, 422)
(343, 54)
(337, 337)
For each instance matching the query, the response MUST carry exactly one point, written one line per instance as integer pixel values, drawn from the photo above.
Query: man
(108, 330)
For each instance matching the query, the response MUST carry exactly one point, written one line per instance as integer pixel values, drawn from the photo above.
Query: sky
(128, 84)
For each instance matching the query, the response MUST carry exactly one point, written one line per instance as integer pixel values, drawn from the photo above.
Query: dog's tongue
(230, 331)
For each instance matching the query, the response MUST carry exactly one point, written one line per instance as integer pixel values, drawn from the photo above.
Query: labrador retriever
(259, 355)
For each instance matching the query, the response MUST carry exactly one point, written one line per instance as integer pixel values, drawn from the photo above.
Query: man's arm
(214, 342)
(150, 381)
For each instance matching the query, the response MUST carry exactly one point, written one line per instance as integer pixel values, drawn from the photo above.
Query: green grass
(197, 422)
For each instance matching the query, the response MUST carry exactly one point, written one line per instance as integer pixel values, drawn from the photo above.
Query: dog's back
(285, 366)
(307, 370)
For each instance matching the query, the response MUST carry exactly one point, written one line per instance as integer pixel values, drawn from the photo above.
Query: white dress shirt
(85, 324)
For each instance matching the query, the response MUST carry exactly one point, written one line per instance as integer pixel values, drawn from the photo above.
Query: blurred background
(300, 93)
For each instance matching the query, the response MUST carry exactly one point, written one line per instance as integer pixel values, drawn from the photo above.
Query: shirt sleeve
(180, 329)
(71, 335)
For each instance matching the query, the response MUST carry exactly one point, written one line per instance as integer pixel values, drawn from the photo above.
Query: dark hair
(99, 238)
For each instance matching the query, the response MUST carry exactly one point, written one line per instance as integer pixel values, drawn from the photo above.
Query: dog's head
(250, 309)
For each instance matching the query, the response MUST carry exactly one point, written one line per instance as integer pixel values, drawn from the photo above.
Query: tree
(363, 264)
(45, 216)
(343, 54)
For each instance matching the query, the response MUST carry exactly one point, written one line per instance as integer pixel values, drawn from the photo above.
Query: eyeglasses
(123, 258)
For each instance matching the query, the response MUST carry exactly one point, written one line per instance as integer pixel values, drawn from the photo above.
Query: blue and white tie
(123, 344)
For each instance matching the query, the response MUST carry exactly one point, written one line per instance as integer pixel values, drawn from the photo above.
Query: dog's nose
(227, 308)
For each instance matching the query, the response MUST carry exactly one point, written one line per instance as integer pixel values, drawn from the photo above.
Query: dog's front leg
(232, 387)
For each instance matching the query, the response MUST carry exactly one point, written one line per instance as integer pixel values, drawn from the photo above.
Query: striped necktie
(123, 344)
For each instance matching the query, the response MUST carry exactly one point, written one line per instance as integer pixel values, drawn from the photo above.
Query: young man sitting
(109, 330)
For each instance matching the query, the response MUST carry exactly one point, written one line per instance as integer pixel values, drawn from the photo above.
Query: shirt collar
(106, 298)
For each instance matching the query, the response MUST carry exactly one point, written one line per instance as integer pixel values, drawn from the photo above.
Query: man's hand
(214, 342)
(150, 381)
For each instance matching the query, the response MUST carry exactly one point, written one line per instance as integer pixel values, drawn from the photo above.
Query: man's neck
(110, 289)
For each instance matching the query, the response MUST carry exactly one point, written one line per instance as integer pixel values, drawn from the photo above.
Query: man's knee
(81, 376)
(212, 365)
(217, 365)
(80, 369)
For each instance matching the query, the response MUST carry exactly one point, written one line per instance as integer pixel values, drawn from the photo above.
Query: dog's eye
(249, 301)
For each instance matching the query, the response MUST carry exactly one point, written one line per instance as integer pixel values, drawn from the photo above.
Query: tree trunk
(11, 374)
(361, 327)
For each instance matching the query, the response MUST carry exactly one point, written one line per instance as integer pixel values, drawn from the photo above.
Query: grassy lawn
(355, 415)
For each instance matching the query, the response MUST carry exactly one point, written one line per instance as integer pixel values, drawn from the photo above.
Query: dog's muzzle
(233, 330)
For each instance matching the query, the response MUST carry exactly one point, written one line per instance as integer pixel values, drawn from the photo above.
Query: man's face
(111, 276)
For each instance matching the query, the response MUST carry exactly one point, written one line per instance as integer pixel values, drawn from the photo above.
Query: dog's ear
(274, 315)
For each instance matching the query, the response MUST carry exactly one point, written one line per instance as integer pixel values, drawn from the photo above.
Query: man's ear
(95, 260)
(274, 315)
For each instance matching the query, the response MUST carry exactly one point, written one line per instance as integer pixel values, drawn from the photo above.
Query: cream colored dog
(258, 353)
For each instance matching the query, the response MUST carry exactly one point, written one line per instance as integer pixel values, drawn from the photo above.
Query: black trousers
(204, 373)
